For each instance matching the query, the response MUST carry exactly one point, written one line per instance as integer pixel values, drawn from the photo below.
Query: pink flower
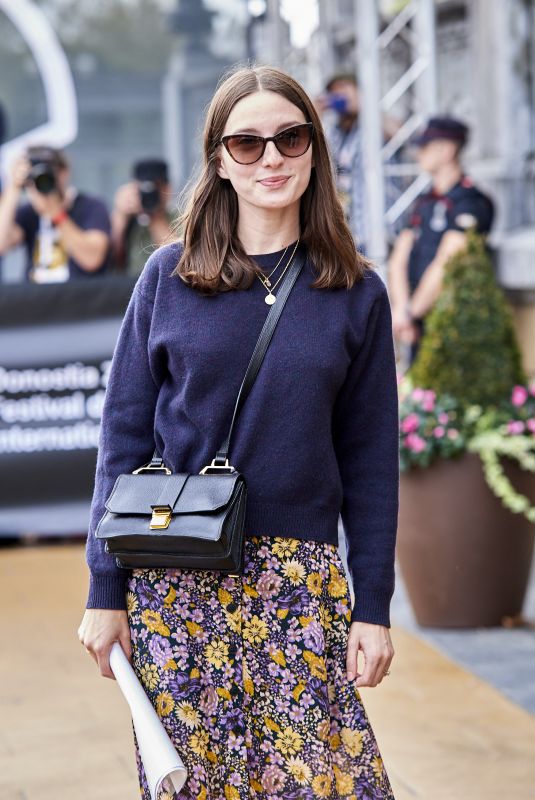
(415, 443)
(443, 418)
(519, 395)
(418, 394)
(453, 434)
(530, 424)
(428, 402)
(439, 432)
(515, 426)
(410, 423)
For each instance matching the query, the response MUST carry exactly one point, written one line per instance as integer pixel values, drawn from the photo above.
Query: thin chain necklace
(267, 277)
(270, 297)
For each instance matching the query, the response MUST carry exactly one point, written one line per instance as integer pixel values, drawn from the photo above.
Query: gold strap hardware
(161, 517)
(213, 465)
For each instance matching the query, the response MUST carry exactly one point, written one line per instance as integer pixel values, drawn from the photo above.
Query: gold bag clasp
(161, 517)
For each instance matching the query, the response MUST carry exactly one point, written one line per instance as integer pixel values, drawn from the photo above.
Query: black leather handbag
(155, 518)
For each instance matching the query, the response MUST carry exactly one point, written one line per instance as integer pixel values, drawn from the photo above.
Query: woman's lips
(274, 183)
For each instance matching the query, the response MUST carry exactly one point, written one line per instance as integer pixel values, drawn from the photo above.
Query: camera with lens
(151, 175)
(336, 102)
(149, 195)
(45, 164)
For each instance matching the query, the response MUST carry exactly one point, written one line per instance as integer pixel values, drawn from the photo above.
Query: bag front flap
(185, 494)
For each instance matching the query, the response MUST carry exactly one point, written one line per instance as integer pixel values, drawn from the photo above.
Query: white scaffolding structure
(415, 24)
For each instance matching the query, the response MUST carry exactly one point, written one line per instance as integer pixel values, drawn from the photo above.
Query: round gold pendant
(270, 299)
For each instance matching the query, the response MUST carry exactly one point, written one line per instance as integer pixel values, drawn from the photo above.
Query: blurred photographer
(141, 219)
(66, 233)
(339, 106)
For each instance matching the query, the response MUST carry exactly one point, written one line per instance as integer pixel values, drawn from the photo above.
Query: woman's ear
(220, 169)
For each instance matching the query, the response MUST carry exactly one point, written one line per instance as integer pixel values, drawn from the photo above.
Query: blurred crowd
(69, 234)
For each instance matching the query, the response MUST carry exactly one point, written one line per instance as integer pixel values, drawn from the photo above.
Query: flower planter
(464, 558)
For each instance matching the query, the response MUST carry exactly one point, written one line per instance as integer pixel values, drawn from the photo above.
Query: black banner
(56, 344)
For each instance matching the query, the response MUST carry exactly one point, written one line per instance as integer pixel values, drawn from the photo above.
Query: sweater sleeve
(366, 431)
(126, 440)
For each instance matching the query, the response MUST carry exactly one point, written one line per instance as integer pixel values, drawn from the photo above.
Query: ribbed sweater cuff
(108, 591)
(373, 607)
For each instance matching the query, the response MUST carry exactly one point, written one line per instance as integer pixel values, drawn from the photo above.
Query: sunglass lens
(294, 141)
(245, 149)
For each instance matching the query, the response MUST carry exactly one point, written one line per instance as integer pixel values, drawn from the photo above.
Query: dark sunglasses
(245, 148)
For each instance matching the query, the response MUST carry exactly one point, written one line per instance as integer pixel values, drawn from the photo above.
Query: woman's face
(274, 182)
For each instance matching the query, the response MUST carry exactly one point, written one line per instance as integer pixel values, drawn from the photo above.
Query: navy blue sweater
(317, 436)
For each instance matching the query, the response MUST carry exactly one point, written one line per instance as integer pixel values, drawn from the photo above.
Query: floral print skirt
(248, 677)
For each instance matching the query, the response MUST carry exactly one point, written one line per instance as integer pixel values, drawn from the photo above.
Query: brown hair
(213, 258)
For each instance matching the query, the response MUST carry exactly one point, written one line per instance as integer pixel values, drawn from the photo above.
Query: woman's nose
(271, 154)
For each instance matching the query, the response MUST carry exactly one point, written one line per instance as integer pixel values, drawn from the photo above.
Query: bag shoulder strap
(221, 459)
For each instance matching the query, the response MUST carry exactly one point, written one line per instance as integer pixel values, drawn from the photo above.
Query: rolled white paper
(160, 759)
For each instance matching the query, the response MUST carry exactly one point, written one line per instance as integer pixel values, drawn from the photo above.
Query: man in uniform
(436, 228)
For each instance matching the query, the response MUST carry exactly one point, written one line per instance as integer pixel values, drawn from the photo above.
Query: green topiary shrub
(469, 349)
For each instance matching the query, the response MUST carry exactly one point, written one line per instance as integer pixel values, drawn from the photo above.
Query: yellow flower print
(131, 602)
(352, 741)
(323, 730)
(255, 630)
(188, 715)
(294, 571)
(199, 742)
(289, 742)
(299, 770)
(164, 704)
(234, 620)
(377, 765)
(216, 653)
(315, 583)
(224, 597)
(170, 597)
(321, 785)
(248, 684)
(149, 676)
(231, 793)
(284, 547)
(335, 741)
(316, 665)
(337, 586)
(344, 782)
(153, 621)
(326, 618)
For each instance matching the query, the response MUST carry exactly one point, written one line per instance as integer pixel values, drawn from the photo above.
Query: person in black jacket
(435, 228)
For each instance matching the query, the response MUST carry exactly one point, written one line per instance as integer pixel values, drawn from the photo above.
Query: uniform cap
(442, 128)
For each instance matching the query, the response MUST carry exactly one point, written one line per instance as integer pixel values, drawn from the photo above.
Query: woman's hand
(376, 645)
(100, 628)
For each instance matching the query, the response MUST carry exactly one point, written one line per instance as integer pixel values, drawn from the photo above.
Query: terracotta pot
(464, 558)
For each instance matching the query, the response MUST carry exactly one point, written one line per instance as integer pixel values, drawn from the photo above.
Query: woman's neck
(266, 233)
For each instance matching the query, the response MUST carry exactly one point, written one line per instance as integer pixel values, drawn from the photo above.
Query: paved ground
(503, 657)
(444, 733)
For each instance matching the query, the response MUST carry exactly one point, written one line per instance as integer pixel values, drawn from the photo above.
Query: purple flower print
(209, 701)
(313, 637)
(160, 650)
(148, 596)
(268, 584)
(295, 601)
(182, 686)
(233, 719)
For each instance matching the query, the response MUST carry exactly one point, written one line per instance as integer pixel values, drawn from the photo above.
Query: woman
(256, 677)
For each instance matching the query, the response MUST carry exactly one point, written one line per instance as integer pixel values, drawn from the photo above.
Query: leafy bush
(469, 350)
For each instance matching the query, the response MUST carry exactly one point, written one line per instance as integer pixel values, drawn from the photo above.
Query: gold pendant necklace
(270, 298)
(265, 278)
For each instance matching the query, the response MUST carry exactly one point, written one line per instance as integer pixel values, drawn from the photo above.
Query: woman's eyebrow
(256, 132)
